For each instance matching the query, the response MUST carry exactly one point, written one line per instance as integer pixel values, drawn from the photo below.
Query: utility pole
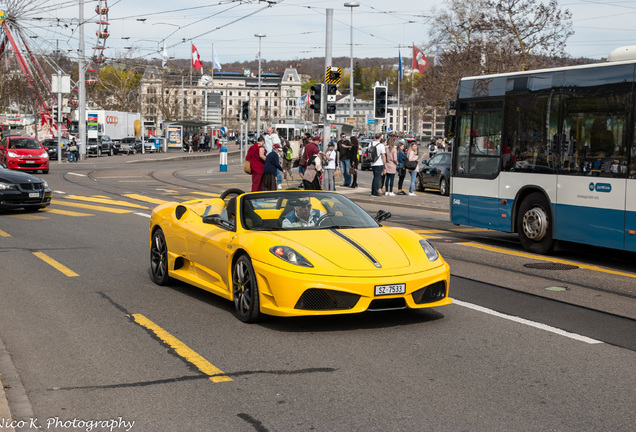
(81, 121)
(326, 132)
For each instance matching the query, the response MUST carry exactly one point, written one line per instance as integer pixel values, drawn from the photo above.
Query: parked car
(24, 153)
(364, 145)
(435, 174)
(130, 145)
(51, 147)
(149, 145)
(100, 146)
(19, 189)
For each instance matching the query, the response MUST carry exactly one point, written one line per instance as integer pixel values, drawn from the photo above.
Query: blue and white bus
(549, 154)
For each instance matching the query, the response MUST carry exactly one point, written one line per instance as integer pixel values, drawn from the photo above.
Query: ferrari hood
(353, 249)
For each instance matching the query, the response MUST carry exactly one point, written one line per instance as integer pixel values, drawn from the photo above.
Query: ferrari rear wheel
(245, 289)
(159, 258)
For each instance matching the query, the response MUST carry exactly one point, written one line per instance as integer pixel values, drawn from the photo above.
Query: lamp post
(226, 107)
(260, 36)
(351, 5)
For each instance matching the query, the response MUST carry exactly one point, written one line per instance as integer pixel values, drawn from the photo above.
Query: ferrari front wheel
(159, 258)
(245, 289)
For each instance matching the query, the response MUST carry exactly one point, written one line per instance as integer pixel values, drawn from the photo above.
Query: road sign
(333, 75)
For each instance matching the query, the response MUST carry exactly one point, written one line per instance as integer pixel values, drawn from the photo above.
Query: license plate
(34, 195)
(390, 289)
(30, 162)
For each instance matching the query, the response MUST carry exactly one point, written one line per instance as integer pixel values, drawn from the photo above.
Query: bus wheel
(534, 224)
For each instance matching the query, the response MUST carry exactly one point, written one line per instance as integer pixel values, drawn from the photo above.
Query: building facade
(217, 100)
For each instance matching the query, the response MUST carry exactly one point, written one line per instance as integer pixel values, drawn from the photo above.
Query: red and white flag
(419, 60)
(196, 59)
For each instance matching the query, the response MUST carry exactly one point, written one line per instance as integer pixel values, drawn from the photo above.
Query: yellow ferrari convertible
(295, 252)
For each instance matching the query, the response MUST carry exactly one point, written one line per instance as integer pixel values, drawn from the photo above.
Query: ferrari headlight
(291, 256)
(429, 250)
(7, 186)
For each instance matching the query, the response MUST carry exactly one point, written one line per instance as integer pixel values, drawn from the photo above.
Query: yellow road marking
(105, 201)
(556, 260)
(216, 374)
(92, 207)
(4, 234)
(430, 237)
(28, 216)
(468, 229)
(146, 199)
(68, 212)
(431, 231)
(61, 267)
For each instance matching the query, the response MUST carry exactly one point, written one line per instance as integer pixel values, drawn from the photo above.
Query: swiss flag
(419, 60)
(196, 58)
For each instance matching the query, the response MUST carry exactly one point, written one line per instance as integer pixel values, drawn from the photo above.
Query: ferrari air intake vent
(387, 304)
(322, 299)
(430, 294)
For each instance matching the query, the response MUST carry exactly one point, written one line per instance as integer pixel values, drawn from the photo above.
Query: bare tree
(488, 36)
(531, 27)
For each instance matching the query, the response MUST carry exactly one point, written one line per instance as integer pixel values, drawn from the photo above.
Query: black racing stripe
(357, 246)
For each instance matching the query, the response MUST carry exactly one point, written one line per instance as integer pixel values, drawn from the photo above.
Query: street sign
(333, 75)
(223, 131)
(351, 120)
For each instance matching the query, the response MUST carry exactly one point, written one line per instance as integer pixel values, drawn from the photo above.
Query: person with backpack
(376, 154)
(288, 158)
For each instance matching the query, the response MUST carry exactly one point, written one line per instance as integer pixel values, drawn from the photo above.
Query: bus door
(475, 200)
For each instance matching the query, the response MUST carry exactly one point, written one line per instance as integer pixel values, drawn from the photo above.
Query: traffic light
(245, 110)
(55, 114)
(379, 102)
(331, 111)
(332, 91)
(316, 98)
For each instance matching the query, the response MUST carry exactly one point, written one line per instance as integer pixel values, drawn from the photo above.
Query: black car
(100, 146)
(51, 147)
(435, 174)
(18, 189)
(364, 146)
(129, 145)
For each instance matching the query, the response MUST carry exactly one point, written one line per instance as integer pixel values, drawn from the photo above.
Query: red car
(24, 153)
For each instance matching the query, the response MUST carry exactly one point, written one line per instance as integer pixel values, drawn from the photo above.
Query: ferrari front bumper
(285, 293)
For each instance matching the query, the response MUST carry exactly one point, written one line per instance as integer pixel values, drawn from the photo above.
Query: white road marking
(76, 174)
(143, 214)
(528, 322)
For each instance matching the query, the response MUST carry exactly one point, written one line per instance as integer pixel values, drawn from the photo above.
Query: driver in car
(302, 215)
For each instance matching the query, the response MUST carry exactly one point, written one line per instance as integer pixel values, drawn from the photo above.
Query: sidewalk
(430, 200)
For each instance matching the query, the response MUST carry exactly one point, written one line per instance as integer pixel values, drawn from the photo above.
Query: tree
(490, 36)
(118, 88)
(531, 27)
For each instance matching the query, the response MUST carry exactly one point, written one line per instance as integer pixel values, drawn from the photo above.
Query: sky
(294, 29)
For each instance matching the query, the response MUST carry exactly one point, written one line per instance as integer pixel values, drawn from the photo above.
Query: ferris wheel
(21, 24)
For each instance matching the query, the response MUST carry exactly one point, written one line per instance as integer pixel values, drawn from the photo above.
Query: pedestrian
(256, 157)
(344, 154)
(269, 144)
(301, 158)
(412, 156)
(311, 176)
(70, 155)
(329, 168)
(400, 167)
(432, 149)
(381, 188)
(206, 141)
(288, 158)
(377, 165)
(270, 168)
(355, 147)
(390, 168)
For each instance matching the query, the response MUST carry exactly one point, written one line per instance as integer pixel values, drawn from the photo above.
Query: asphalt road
(89, 337)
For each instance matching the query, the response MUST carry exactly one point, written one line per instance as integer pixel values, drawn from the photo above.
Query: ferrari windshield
(295, 210)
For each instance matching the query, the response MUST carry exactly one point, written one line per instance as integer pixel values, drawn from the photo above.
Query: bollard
(223, 154)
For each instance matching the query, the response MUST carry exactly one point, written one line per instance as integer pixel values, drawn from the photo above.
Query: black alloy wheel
(159, 258)
(245, 290)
